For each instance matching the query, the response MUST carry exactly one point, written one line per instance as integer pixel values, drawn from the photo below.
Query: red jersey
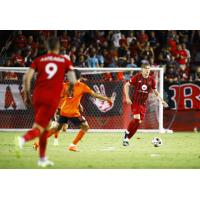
(181, 57)
(50, 69)
(142, 88)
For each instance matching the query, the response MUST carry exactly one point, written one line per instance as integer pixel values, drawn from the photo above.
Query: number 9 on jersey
(51, 69)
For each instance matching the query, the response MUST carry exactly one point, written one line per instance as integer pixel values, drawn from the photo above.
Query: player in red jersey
(51, 69)
(143, 84)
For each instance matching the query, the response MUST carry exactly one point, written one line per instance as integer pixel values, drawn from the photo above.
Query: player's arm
(101, 97)
(81, 108)
(126, 90)
(27, 85)
(159, 98)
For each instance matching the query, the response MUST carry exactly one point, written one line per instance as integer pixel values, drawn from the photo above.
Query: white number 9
(51, 69)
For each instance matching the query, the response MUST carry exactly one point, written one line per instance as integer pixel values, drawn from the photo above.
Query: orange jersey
(70, 107)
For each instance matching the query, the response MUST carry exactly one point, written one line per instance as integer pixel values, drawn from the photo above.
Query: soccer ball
(156, 142)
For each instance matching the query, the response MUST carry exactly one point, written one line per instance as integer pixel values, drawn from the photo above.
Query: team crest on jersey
(144, 87)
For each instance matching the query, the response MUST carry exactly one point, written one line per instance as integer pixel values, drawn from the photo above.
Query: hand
(165, 104)
(128, 101)
(102, 105)
(27, 98)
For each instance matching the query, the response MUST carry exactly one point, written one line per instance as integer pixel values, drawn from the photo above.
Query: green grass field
(105, 150)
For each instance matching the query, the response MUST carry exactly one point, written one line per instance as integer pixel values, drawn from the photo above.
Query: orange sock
(78, 137)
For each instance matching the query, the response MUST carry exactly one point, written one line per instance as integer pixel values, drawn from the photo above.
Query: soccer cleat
(126, 142)
(45, 163)
(72, 147)
(20, 142)
(55, 143)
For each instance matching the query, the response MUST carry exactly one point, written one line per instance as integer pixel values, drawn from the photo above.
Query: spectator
(133, 48)
(64, 40)
(100, 58)
(171, 75)
(122, 55)
(147, 52)
(33, 46)
(123, 41)
(42, 48)
(17, 59)
(187, 51)
(172, 41)
(116, 38)
(142, 38)
(81, 61)
(112, 48)
(153, 40)
(20, 40)
(196, 75)
(152, 62)
(184, 73)
(165, 55)
(130, 37)
(28, 59)
(92, 60)
(181, 55)
(130, 64)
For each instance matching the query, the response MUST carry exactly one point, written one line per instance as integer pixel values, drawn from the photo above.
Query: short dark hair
(53, 43)
(77, 73)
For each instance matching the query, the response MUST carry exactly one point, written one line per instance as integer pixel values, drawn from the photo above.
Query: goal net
(99, 114)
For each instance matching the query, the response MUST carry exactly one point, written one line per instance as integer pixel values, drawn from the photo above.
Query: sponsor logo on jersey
(144, 87)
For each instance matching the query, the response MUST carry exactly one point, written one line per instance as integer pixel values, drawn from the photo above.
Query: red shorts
(138, 109)
(43, 113)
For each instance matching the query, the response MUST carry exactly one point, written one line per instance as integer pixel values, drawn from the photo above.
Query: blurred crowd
(178, 52)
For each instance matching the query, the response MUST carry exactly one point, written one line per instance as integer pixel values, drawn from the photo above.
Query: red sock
(132, 127)
(31, 134)
(43, 144)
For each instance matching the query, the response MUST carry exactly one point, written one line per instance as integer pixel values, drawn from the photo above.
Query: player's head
(145, 69)
(78, 74)
(53, 44)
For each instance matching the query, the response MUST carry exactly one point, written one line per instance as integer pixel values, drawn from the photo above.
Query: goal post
(15, 116)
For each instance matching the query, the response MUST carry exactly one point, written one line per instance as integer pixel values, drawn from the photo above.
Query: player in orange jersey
(70, 109)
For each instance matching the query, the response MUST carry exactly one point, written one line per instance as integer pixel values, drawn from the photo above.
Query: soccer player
(70, 110)
(50, 69)
(143, 84)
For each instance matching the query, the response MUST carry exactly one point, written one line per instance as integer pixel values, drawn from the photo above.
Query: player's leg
(84, 127)
(56, 128)
(138, 115)
(46, 113)
(54, 124)
(57, 133)
(36, 131)
(132, 128)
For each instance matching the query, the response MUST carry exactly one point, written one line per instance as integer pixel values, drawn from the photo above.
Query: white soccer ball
(156, 142)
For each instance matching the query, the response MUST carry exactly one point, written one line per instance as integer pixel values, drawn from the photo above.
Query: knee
(85, 127)
(40, 128)
(137, 117)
